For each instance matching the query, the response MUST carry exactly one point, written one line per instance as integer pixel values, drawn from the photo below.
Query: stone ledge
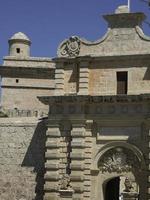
(66, 193)
(39, 59)
(52, 145)
(95, 99)
(78, 133)
(77, 167)
(49, 155)
(78, 178)
(53, 133)
(77, 156)
(51, 177)
(51, 188)
(50, 166)
(78, 188)
(50, 196)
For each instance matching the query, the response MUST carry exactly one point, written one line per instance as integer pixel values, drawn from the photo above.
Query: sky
(48, 22)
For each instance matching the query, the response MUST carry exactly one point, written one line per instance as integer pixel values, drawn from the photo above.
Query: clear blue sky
(48, 22)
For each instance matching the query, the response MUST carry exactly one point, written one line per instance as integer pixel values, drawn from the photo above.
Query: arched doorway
(118, 187)
(114, 165)
(112, 189)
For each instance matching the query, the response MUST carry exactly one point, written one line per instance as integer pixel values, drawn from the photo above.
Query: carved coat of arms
(119, 160)
(70, 47)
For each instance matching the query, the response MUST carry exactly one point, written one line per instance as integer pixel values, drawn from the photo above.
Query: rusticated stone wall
(22, 149)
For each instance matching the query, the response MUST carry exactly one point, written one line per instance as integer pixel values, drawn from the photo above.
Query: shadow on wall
(147, 74)
(35, 157)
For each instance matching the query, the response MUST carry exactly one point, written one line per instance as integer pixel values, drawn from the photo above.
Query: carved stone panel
(118, 160)
(69, 48)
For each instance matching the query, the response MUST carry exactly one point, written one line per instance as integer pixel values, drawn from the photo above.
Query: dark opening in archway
(112, 189)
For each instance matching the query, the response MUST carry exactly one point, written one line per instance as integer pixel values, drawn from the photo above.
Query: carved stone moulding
(97, 110)
(130, 196)
(69, 47)
(50, 100)
(118, 160)
(66, 194)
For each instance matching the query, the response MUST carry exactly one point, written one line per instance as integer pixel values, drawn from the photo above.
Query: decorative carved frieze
(118, 160)
(97, 106)
(96, 110)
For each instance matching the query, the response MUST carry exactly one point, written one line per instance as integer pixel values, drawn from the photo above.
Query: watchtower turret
(19, 45)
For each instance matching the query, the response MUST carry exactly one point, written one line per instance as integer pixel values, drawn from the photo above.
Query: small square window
(17, 80)
(18, 50)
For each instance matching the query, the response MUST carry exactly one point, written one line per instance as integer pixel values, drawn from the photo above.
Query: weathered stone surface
(21, 159)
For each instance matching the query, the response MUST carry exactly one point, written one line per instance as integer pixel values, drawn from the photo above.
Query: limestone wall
(28, 82)
(103, 81)
(71, 80)
(28, 62)
(23, 98)
(21, 158)
(23, 79)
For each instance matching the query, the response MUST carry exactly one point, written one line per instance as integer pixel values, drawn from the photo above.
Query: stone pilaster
(88, 160)
(84, 78)
(59, 79)
(52, 164)
(63, 152)
(147, 130)
(65, 189)
(77, 160)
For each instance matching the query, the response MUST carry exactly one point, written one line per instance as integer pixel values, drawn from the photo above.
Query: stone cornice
(22, 72)
(33, 59)
(119, 20)
(94, 99)
(91, 58)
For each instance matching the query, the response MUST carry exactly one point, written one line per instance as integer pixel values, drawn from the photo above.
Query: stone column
(77, 160)
(84, 78)
(52, 163)
(59, 79)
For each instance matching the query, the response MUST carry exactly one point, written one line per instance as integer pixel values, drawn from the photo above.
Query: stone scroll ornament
(70, 47)
(118, 160)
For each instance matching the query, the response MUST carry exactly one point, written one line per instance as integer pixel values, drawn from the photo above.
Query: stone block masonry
(21, 158)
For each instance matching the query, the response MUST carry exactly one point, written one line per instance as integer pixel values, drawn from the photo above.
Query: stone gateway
(78, 126)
